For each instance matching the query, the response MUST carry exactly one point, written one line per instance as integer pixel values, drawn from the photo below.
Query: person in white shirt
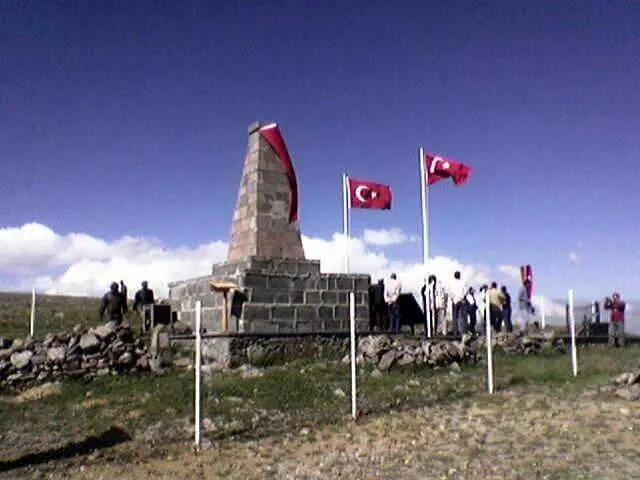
(458, 293)
(392, 292)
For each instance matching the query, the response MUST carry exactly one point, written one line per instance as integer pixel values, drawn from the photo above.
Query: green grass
(287, 397)
(54, 313)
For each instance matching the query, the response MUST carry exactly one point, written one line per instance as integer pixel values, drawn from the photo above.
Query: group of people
(467, 309)
(114, 302)
(454, 300)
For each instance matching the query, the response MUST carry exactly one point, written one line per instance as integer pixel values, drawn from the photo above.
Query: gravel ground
(514, 434)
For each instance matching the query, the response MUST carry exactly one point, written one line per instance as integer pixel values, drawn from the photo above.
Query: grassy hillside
(53, 313)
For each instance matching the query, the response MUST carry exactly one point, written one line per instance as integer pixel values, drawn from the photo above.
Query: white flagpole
(424, 192)
(346, 205)
(352, 337)
(488, 335)
(198, 365)
(32, 320)
(572, 326)
(543, 315)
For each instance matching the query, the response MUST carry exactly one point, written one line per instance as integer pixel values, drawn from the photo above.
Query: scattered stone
(338, 392)
(103, 331)
(89, 342)
(22, 359)
(455, 367)
(256, 354)
(386, 360)
(56, 354)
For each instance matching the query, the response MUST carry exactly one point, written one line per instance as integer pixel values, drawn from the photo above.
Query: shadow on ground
(110, 438)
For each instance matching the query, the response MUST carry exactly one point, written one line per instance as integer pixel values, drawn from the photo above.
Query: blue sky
(129, 118)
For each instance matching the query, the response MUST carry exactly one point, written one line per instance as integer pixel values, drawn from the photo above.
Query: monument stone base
(284, 296)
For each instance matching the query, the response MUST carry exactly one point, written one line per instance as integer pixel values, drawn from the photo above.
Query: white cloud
(386, 236)
(79, 264)
(511, 271)
(574, 257)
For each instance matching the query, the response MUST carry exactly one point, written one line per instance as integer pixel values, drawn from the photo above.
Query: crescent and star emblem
(436, 160)
(361, 193)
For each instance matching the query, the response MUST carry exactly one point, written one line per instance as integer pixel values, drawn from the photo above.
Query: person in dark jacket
(141, 299)
(378, 306)
(114, 304)
(506, 310)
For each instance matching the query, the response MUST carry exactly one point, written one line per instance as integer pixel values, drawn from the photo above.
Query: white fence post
(572, 327)
(488, 335)
(198, 364)
(32, 321)
(352, 336)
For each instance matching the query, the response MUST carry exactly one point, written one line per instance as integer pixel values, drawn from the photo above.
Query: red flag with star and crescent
(440, 168)
(365, 194)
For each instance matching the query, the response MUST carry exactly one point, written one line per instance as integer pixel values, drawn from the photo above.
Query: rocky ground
(514, 435)
(292, 422)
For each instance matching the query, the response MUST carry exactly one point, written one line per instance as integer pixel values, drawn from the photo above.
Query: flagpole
(425, 232)
(345, 219)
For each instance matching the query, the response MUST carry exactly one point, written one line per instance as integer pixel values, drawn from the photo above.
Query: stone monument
(285, 292)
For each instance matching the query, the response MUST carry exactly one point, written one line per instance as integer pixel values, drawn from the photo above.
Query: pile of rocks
(386, 352)
(627, 385)
(102, 350)
(525, 342)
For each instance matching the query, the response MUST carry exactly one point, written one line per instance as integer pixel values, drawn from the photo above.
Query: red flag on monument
(365, 194)
(271, 133)
(439, 168)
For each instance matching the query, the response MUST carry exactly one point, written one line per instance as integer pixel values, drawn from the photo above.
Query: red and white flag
(439, 168)
(271, 133)
(364, 194)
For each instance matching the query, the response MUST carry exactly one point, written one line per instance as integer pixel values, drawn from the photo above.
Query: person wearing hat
(616, 321)
(114, 303)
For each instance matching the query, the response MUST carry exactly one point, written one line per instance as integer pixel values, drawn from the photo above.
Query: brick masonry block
(329, 297)
(296, 296)
(261, 295)
(343, 298)
(279, 282)
(255, 312)
(362, 282)
(343, 282)
(340, 311)
(283, 313)
(325, 312)
(362, 312)
(312, 297)
(306, 313)
(255, 280)
(282, 297)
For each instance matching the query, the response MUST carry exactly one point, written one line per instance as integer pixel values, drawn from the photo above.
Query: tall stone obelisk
(285, 292)
(261, 225)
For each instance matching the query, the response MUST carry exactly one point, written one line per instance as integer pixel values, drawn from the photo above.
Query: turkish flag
(363, 194)
(271, 133)
(439, 168)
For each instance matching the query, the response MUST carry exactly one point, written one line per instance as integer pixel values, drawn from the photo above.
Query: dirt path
(513, 435)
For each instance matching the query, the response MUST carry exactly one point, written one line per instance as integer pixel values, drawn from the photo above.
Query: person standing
(458, 293)
(525, 307)
(392, 291)
(114, 303)
(472, 308)
(496, 302)
(482, 308)
(506, 309)
(616, 321)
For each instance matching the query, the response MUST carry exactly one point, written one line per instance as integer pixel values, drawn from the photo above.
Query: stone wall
(284, 296)
(231, 352)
